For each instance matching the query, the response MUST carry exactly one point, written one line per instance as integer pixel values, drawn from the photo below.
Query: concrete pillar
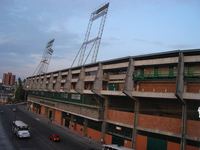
(97, 86)
(129, 83)
(67, 85)
(179, 95)
(50, 86)
(180, 78)
(85, 124)
(183, 127)
(58, 82)
(80, 83)
(39, 83)
(104, 123)
(34, 83)
(136, 113)
(44, 82)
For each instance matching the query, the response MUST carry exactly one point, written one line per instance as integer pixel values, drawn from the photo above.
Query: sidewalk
(76, 136)
(5, 143)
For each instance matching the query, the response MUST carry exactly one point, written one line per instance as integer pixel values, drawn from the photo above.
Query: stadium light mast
(46, 57)
(84, 52)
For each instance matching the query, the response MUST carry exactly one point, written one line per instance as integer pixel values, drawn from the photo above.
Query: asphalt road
(40, 132)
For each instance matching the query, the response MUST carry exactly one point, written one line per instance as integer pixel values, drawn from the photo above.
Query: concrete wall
(156, 87)
(120, 116)
(158, 123)
(193, 87)
(94, 134)
(141, 142)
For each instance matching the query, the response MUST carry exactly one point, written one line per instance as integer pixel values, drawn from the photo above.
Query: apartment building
(8, 79)
(147, 102)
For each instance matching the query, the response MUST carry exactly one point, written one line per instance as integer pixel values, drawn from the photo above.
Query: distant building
(6, 92)
(8, 79)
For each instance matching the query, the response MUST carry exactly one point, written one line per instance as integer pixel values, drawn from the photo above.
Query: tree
(19, 93)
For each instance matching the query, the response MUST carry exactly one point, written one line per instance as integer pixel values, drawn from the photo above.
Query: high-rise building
(8, 79)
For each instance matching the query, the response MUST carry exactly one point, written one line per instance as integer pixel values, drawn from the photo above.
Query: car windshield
(23, 128)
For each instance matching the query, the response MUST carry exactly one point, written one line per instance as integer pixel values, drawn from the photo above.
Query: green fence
(66, 97)
(155, 74)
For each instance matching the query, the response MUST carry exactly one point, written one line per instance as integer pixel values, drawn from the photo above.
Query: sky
(133, 27)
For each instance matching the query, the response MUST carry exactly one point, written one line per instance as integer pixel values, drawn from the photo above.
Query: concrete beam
(115, 65)
(90, 112)
(192, 58)
(157, 61)
(154, 95)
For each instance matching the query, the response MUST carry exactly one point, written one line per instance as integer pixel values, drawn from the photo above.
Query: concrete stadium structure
(146, 102)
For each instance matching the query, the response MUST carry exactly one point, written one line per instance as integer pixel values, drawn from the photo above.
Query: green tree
(19, 93)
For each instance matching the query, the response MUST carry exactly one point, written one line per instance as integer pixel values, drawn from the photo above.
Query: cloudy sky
(132, 27)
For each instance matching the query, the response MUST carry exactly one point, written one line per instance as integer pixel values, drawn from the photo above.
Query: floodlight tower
(46, 57)
(81, 59)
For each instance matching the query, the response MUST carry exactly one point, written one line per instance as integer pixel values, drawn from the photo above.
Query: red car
(54, 137)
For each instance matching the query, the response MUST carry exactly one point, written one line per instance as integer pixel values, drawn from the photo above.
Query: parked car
(114, 147)
(54, 137)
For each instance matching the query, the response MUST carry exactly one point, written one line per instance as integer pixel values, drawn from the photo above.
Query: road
(40, 130)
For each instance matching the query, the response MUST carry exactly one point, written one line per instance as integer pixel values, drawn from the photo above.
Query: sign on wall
(76, 96)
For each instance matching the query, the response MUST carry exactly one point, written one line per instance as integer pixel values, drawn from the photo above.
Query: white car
(23, 134)
(114, 147)
(21, 129)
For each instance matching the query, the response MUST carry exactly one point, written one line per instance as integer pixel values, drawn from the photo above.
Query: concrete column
(129, 83)
(58, 82)
(179, 95)
(50, 86)
(39, 83)
(31, 84)
(44, 82)
(80, 83)
(183, 127)
(85, 124)
(134, 135)
(67, 85)
(35, 83)
(97, 86)
(104, 123)
(180, 78)
(27, 84)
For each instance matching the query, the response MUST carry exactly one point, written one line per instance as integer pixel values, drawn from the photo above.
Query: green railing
(192, 76)
(153, 76)
(190, 73)
(65, 97)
